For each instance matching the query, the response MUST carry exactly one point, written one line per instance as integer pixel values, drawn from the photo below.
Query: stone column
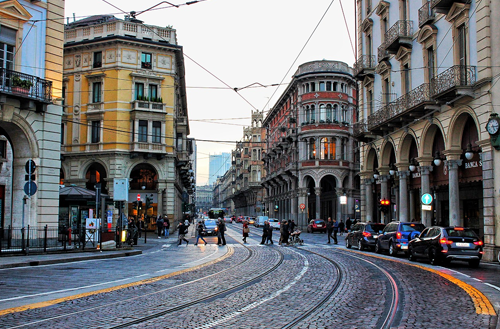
(338, 148)
(317, 191)
(294, 205)
(369, 199)
(454, 194)
(302, 199)
(403, 196)
(491, 230)
(425, 183)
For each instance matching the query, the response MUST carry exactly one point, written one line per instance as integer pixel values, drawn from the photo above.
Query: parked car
(445, 244)
(210, 227)
(396, 235)
(316, 225)
(260, 221)
(274, 223)
(364, 235)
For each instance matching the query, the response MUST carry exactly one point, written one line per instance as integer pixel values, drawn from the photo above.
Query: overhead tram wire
(296, 58)
(347, 27)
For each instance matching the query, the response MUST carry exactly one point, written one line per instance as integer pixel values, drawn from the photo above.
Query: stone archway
(328, 199)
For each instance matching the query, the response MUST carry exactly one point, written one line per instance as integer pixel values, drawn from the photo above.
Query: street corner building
(125, 117)
(428, 121)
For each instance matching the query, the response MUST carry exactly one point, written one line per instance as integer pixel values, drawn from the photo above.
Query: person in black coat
(222, 230)
(284, 232)
(265, 232)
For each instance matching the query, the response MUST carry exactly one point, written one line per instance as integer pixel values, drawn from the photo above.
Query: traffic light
(140, 204)
(134, 205)
(276, 207)
(384, 205)
(149, 201)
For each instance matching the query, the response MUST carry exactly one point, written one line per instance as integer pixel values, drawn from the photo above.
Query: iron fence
(25, 85)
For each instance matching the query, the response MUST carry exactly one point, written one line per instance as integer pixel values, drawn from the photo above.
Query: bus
(215, 213)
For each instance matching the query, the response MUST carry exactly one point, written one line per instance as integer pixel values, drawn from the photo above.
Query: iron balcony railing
(446, 3)
(364, 62)
(402, 29)
(382, 53)
(425, 14)
(415, 98)
(359, 128)
(22, 84)
(454, 77)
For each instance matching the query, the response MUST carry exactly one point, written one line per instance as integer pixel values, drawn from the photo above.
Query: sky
(236, 43)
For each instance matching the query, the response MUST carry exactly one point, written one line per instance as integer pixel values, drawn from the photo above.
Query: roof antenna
(74, 18)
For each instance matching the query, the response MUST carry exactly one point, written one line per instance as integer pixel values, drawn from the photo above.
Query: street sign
(30, 188)
(426, 198)
(302, 206)
(30, 166)
(426, 207)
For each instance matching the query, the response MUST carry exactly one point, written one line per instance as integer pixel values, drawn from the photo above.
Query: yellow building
(125, 115)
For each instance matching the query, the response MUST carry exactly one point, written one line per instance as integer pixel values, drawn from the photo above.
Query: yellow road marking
(228, 254)
(481, 302)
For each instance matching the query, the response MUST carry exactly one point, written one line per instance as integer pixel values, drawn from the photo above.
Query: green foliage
(18, 82)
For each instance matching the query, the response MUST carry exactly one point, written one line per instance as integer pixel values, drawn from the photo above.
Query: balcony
(360, 131)
(148, 150)
(443, 6)
(27, 88)
(455, 82)
(426, 15)
(383, 54)
(400, 34)
(365, 65)
(145, 105)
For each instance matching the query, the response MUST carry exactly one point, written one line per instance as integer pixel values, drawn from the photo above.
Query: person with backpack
(183, 230)
(199, 234)
(220, 236)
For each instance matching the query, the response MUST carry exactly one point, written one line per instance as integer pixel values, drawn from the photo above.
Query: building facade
(218, 164)
(31, 45)
(204, 199)
(311, 157)
(125, 115)
(426, 88)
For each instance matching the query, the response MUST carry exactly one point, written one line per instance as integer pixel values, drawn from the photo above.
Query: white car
(274, 223)
(227, 219)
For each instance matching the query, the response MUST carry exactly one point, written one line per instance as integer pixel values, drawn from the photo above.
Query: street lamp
(469, 154)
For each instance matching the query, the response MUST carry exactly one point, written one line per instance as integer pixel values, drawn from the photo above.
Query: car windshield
(465, 233)
(375, 228)
(318, 222)
(412, 227)
(273, 220)
(209, 222)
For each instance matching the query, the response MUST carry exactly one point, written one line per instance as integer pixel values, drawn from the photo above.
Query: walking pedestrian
(221, 239)
(335, 230)
(284, 232)
(265, 232)
(329, 228)
(183, 229)
(141, 226)
(166, 226)
(199, 235)
(348, 223)
(246, 230)
(159, 226)
(292, 225)
(269, 237)
(341, 227)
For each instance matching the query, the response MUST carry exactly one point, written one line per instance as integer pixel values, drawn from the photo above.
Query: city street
(316, 285)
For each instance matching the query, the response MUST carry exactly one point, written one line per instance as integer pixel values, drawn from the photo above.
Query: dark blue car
(396, 235)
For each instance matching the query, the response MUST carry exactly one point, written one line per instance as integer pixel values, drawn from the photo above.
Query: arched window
(327, 148)
(313, 114)
(312, 149)
(335, 86)
(313, 86)
(308, 114)
(335, 113)
(322, 112)
(344, 114)
(328, 86)
(329, 113)
(307, 87)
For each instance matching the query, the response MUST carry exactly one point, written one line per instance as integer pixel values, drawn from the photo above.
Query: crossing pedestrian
(348, 223)
(246, 230)
(166, 226)
(329, 228)
(341, 227)
(265, 232)
(183, 230)
(159, 226)
(199, 234)
(221, 239)
(269, 237)
(284, 232)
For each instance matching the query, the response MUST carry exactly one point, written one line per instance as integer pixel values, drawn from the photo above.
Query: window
(7, 46)
(153, 93)
(335, 113)
(430, 63)
(96, 132)
(462, 52)
(3, 149)
(254, 155)
(313, 114)
(308, 114)
(307, 87)
(143, 131)
(96, 92)
(146, 62)
(246, 150)
(97, 59)
(328, 86)
(327, 149)
(370, 101)
(329, 113)
(139, 91)
(344, 114)
(322, 112)
(313, 86)
(156, 132)
(406, 79)
(312, 149)
(322, 86)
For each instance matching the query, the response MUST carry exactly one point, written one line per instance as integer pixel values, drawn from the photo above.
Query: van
(260, 221)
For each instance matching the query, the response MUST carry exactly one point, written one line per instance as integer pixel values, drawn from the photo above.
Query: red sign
(138, 197)
(302, 206)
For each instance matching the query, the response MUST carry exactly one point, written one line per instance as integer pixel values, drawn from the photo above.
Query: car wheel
(433, 257)
(411, 256)
(347, 244)
(360, 245)
(474, 263)
(392, 249)
(378, 249)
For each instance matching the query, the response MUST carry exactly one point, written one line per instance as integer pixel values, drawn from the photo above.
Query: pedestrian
(265, 232)
(183, 229)
(159, 226)
(166, 226)
(292, 226)
(269, 237)
(341, 227)
(199, 234)
(335, 230)
(284, 232)
(348, 224)
(329, 228)
(141, 226)
(221, 239)
(246, 230)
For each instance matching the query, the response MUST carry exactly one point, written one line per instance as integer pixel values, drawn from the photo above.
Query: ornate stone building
(311, 158)
(426, 94)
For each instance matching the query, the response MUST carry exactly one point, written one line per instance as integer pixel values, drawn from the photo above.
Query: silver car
(274, 223)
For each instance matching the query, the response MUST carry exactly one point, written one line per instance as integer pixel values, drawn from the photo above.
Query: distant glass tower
(218, 165)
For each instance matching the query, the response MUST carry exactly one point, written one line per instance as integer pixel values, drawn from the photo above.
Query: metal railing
(425, 14)
(400, 29)
(25, 85)
(382, 53)
(364, 62)
(455, 76)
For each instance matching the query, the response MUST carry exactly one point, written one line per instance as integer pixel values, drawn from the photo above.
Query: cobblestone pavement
(239, 286)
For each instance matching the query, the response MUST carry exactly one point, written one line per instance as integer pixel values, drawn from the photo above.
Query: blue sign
(426, 198)
(30, 188)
